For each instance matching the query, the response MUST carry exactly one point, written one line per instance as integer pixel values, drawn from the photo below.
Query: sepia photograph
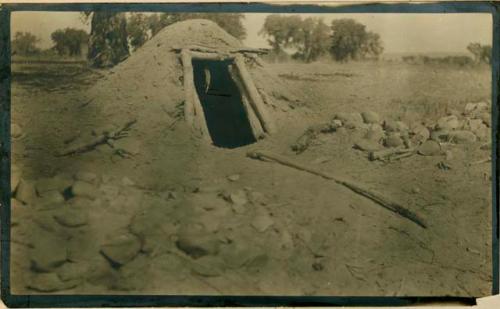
(281, 153)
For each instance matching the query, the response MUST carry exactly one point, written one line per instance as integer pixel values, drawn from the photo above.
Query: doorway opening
(222, 102)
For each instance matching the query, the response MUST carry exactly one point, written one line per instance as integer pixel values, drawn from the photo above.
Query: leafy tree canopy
(25, 43)
(351, 40)
(481, 53)
(69, 41)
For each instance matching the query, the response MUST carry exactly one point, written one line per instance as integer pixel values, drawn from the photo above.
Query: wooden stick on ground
(387, 153)
(374, 196)
(481, 161)
(99, 140)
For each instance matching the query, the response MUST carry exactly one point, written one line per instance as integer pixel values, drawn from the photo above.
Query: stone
(370, 117)
(473, 124)
(83, 247)
(475, 107)
(375, 133)
(121, 249)
(236, 255)
(477, 127)
(402, 127)
(367, 145)
(25, 192)
(317, 266)
(461, 137)
(429, 148)
(415, 190)
(336, 123)
(453, 112)
(448, 123)
(196, 242)
(84, 189)
(393, 140)
(86, 176)
(262, 222)
(127, 182)
(70, 217)
(57, 183)
(15, 130)
(207, 189)
(45, 221)
(486, 146)
(19, 213)
(72, 271)
(350, 120)
(208, 266)
(238, 198)
(234, 177)
(49, 252)
(440, 135)
(171, 195)
(50, 200)
(15, 178)
(50, 282)
(419, 134)
(390, 125)
(258, 198)
(486, 118)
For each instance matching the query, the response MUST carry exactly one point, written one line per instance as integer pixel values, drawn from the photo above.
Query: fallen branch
(86, 103)
(305, 140)
(376, 197)
(481, 161)
(99, 140)
(393, 152)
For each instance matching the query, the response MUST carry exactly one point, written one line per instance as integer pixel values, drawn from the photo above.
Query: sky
(400, 33)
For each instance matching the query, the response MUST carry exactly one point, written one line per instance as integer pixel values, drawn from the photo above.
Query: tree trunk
(108, 43)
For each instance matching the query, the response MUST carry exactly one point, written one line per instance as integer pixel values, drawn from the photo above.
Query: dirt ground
(259, 228)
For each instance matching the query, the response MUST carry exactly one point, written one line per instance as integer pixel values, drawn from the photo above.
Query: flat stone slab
(50, 282)
(69, 217)
(57, 183)
(49, 252)
(84, 189)
(121, 249)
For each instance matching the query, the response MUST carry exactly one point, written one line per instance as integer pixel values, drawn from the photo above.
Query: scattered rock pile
(208, 230)
(468, 127)
(54, 221)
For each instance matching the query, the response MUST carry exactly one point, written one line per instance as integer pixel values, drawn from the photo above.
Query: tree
(313, 39)
(25, 43)
(481, 53)
(69, 41)
(350, 40)
(138, 27)
(108, 42)
(372, 45)
(475, 49)
(281, 31)
(486, 54)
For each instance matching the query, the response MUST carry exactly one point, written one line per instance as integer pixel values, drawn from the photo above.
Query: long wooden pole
(374, 196)
(255, 99)
(193, 111)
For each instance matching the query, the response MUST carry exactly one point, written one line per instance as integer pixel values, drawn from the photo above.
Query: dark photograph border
(171, 300)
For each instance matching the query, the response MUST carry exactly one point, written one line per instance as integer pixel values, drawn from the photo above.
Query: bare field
(269, 229)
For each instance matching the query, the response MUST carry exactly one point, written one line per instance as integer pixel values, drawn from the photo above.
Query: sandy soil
(176, 216)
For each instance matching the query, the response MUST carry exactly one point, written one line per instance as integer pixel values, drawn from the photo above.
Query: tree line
(311, 38)
(114, 35)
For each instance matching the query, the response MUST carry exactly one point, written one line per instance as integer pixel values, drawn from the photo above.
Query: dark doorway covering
(226, 118)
